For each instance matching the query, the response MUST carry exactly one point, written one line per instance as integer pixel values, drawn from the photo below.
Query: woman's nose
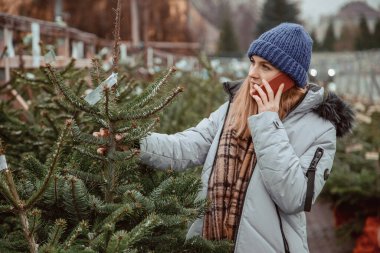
(253, 73)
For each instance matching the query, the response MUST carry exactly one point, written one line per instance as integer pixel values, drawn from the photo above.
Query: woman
(257, 147)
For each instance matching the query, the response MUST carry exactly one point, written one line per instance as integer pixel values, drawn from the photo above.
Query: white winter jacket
(284, 151)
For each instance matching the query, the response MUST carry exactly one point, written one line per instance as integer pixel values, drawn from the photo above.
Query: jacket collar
(326, 104)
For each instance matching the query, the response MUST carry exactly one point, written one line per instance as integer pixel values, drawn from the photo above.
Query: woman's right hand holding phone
(270, 102)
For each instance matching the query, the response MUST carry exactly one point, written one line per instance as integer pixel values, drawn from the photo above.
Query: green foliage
(78, 200)
(363, 38)
(329, 39)
(354, 184)
(227, 39)
(202, 96)
(376, 35)
(275, 12)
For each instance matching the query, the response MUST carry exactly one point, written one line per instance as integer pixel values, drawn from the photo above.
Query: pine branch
(114, 217)
(173, 220)
(122, 240)
(35, 220)
(31, 164)
(86, 176)
(52, 195)
(69, 66)
(5, 208)
(99, 241)
(150, 93)
(116, 34)
(125, 129)
(106, 101)
(101, 122)
(121, 155)
(56, 232)
(158, 191)
(79, 84)
(51, 122)
(127, 89)
(4, 190)
(138, 133)
(53, 164)
(75, 198)
(90, 154)
(144, 113)
(78, 135)
(138, 199)
(96, 72)
(199, 244)
(80, 229)
(77, 102)
(22, 212)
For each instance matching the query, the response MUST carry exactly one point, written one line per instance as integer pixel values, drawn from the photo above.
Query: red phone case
(276, 81)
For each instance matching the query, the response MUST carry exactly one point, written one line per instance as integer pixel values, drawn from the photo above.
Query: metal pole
(135, 23)
(58, 10)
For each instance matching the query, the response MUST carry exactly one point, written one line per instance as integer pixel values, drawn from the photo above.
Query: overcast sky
(315, 8)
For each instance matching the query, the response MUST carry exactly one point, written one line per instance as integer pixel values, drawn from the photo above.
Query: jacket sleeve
(184, 149)
(282, 171)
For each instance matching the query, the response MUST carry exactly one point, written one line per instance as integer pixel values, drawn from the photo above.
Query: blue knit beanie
(287, 47)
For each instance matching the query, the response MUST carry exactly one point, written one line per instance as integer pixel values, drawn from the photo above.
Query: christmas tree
(354, 186)
(88, 193)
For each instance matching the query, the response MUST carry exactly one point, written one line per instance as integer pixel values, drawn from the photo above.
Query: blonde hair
(244, 106)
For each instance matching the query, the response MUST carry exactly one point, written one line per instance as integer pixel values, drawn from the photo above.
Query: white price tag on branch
(93, 97)
(3, 163)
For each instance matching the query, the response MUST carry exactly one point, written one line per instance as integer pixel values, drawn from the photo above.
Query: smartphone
(276, 81)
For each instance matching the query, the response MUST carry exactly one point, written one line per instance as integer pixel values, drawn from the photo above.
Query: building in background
(348, 18)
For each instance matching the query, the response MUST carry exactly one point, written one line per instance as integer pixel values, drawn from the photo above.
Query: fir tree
(316, 44)
(227, 40)
(329, 39)
(355, 179)
(376, 35)
(275, 12)
(363, 39)
(97, 198)
(345, 41)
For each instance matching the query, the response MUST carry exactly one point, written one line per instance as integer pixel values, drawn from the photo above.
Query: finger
(269, 90)
(258, 101)
(262, 94)
(279, 94)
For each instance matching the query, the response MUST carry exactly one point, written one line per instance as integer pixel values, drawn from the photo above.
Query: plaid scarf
(228, 183)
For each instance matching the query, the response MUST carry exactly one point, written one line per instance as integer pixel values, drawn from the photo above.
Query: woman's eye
(266, 67)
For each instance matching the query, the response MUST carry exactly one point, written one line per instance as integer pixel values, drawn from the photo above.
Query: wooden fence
(20, 44)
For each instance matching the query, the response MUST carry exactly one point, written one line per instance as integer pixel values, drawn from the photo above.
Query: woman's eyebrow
(261, 61)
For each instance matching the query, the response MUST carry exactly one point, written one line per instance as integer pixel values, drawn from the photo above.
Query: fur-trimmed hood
(326, 104)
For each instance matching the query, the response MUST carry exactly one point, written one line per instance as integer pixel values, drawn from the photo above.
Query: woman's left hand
(270, 102)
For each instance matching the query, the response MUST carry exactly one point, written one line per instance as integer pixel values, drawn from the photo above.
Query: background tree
(227, 41)
(376, 35)
(329, 39)
(275, 12)
(363, 39)
(316, 44)
(345, 41)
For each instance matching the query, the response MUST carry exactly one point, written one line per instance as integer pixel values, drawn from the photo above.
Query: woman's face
(260, 69)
